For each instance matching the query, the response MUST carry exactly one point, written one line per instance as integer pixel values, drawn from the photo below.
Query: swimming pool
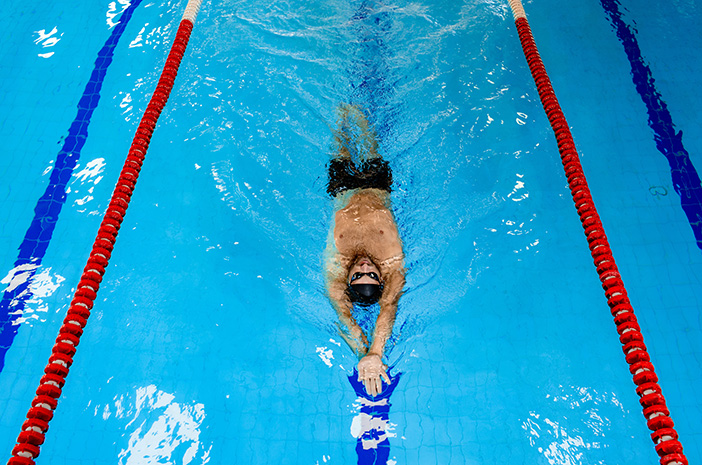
(212, 340)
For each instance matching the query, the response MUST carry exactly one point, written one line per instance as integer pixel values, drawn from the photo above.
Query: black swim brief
(345, 175)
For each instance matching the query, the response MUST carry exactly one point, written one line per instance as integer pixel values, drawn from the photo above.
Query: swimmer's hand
(371, 372)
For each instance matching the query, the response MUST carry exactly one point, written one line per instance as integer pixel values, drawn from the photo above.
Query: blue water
(212, 340)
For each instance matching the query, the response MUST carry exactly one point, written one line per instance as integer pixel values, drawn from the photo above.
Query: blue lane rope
(46, 213)
(686, 181)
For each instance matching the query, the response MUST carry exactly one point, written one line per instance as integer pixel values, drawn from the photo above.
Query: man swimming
(364, 259)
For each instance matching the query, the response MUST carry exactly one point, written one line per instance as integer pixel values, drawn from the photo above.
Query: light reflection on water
(161, 429)
(564, 435)
(47, 40)
(42, 286)
(83, 186)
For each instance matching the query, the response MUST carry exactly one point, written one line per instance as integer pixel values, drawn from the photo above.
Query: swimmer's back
(367, 224)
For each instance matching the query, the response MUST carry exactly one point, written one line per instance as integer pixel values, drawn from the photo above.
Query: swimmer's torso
(367, 224)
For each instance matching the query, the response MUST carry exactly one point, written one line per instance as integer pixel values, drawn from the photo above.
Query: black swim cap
(365, 293)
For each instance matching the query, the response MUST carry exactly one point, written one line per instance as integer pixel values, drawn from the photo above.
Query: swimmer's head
(365, 284)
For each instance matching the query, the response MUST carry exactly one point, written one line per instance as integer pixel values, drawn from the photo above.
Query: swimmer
(364, 259)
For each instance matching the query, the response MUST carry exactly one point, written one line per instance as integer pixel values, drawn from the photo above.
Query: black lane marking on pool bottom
(48, 208)
(686, 181)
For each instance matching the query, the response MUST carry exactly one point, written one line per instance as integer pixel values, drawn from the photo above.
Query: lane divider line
(683, 174)
(664, 435)
(48, 208)
(42, 409)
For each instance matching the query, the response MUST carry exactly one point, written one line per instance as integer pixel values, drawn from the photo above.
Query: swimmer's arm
(336, 289)
(388, 310)
(349, 330)
(371, 369)
(383, 329)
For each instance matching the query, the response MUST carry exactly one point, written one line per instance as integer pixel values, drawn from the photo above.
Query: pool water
(212, 340)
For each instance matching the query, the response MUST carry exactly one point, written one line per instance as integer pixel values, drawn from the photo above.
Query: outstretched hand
(372, 372)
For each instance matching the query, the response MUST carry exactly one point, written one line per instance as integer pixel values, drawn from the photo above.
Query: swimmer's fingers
(361, 374)
(366, 379)
(372, 372)
(376, 383)
(384, 375)
(372, 387)
(368, 384)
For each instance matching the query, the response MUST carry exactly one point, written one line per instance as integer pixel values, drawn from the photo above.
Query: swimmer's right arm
(349, 329)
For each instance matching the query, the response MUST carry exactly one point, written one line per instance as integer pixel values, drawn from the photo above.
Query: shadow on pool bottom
(371, 426)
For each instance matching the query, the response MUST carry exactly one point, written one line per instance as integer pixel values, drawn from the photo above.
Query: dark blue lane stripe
(686, 181)
(46, 213)
(378, 411)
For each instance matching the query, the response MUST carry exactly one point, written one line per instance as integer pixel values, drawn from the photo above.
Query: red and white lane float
(651, 399)
(47, 395)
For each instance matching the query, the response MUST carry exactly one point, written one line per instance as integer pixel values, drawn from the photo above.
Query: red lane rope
(651, 398)
(42, 410)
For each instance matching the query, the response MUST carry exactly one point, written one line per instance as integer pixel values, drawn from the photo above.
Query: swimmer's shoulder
(394, 261)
